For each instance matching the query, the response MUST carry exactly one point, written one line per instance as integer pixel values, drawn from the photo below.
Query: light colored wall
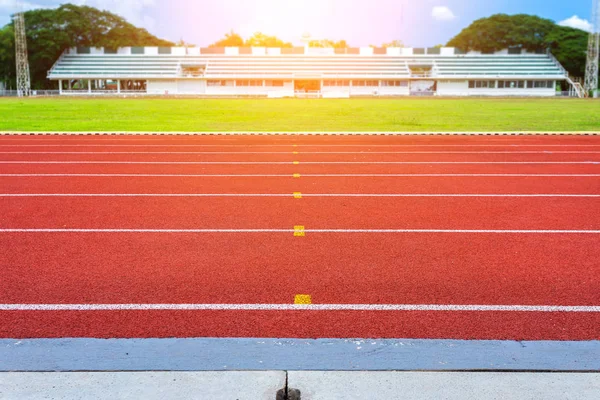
(321, 50)
(394, 91)
(407, 51)
(124, 50)
(191, 86)
(461, 88)
(193, 51)
(363, 90)
(161, 87)
(394, 51)
(178, 51)
(97, 50)
(366, 51)
(447, 51)
(512, 92)
(259, 51)
(273, 51)
(151, 51)
(232, 51)
(453, 88)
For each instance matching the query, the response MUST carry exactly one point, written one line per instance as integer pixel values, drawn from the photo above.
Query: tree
(394, 43)
(231, 39)
(569, 46)
(51, 31)
(326, 43)
(501, 31)
(261, 40)
(528, 32)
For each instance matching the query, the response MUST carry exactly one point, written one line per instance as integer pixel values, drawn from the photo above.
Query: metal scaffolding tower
(23, 76)
(591, 68)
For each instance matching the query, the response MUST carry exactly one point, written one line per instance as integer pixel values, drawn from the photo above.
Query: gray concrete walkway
(312, 385)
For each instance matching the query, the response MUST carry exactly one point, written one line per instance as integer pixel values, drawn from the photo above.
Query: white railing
(34, 93)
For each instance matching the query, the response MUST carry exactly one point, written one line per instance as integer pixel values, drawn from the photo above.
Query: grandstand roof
(301, 63)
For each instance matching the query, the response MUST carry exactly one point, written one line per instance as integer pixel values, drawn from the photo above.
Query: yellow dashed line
(302, 299)
(296, 175)
(297, 195)
(299, 230)
(294, 152)
(295, 162)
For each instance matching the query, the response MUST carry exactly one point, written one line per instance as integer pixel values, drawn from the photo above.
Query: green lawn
(426, 114)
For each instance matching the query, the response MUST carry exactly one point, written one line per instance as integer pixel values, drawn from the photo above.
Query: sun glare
(288, 19)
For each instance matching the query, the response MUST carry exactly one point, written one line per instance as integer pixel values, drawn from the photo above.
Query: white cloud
(576, 22)
(442, 13)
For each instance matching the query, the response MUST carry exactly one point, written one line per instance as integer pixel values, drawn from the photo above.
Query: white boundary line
(292, 195)
(300, 307)
(292, 163)
(302, 175)
(141, 230)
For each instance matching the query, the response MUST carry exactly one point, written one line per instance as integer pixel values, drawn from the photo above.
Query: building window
(338, 83)
(164, 50)
(274, 83)
(395, 83)
(248, 82)
(482, 84)
(137, 50)
(540, 84)
(511, 84)
(372, 83)
(217, 83)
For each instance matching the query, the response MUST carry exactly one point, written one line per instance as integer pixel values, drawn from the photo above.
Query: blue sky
(360, 22)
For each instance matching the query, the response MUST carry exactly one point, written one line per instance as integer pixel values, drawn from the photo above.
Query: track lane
(418, 269)
(423, 268)
(304, 184)
(289, 157)
(480, 213)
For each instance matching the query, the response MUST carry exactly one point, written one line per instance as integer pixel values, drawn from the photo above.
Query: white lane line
(95, 230)
(547, 152)
(303, 175)
(302, 307)
(292, 163)
(292, 195)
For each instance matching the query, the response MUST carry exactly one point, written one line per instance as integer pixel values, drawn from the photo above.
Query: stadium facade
(306, 71)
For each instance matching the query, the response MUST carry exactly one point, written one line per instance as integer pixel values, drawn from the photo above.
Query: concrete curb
(244, 354)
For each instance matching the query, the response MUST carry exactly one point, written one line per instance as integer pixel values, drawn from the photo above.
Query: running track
(454, 237)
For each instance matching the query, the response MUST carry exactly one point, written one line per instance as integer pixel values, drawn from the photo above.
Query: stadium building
(306, 71)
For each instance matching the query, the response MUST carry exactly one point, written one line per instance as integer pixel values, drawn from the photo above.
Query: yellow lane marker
(297, 195)
(296, 175)
(299, 230)
(296, 162)
(295, 145)
(302, 299)
(294, 152)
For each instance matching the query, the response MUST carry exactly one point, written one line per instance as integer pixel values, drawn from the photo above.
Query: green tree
(51, 31)
(529, 32)
(569, 46)
(394, 43)
(342, 44)
(261, 40)
(231, 39)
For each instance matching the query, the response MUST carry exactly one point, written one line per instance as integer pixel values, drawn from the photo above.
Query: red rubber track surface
(561, 269)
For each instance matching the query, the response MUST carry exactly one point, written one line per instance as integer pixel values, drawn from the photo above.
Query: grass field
(421, 114)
